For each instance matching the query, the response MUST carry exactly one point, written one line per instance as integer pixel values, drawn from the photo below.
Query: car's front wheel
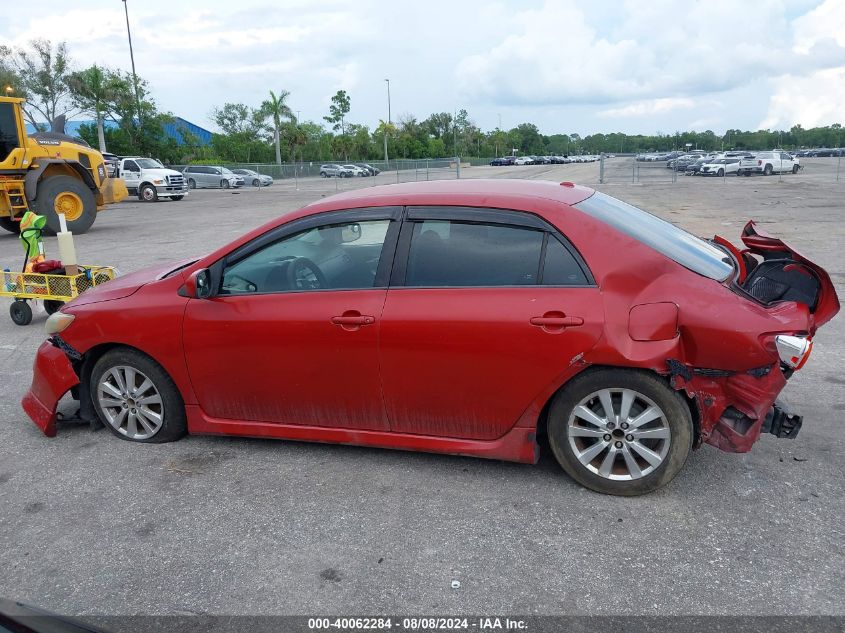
(136, 399)
(619, 431)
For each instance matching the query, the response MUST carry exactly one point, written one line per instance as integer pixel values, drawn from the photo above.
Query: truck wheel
(176, 198)
(10, 225)
(64, 194)
(20, 312)
(767, 170)
(148, 193)
(795, 169)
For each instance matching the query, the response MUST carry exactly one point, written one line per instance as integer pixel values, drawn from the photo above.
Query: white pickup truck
(150, 180)
(768, 163)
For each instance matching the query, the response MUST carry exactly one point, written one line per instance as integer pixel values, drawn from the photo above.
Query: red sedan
(460, 317)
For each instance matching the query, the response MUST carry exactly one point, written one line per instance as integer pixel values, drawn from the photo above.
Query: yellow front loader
(50, 173)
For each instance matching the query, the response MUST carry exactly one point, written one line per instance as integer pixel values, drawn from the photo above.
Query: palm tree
(93, 89)
(276, 109)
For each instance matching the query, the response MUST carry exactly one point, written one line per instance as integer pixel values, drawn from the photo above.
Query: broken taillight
(793, 350)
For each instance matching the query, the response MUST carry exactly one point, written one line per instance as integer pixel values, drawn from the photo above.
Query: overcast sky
(638, 66)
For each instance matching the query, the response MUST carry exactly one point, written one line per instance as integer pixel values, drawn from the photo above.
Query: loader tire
(70, 195)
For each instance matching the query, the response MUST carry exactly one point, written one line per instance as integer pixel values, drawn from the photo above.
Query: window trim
(523, 220)
(394, 214)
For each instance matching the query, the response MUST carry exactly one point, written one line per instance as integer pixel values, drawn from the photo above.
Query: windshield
(675, 243)
(149, 163)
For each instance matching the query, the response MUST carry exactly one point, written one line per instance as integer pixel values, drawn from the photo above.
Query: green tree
(43, 74)
(277, 110)
(94, 91)
(339, 108)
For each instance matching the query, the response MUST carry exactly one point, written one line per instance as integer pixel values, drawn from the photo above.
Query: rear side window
(675, 243)
(446, 254)
(560, 268)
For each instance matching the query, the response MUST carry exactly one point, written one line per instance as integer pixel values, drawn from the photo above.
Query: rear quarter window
(675, 243)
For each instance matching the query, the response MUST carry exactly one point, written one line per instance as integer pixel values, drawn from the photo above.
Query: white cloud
(813, 100)
(648, 108)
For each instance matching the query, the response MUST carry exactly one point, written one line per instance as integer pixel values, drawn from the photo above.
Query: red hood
(126, 285)
(762, 243)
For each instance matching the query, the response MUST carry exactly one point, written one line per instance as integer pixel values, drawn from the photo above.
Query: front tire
(176, 198)
(224, 184)
(795, 169)
(67, 195)
(620, 432)
(136, 399)
(148, 193)
(256, 182)
(720, 173)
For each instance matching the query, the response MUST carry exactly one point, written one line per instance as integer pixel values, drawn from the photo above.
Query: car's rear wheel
(619, 431)
(795, 169)
(136, 399)
(192, 184)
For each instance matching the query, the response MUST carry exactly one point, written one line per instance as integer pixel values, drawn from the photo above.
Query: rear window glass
(675, 243)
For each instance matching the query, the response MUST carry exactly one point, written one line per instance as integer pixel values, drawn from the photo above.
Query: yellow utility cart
(53, 290)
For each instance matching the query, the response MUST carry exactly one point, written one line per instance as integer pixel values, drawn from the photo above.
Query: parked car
(524, 160)
(150, 180)
(681, 162)
(253, 178)
(374, 171)
(463, 316)
(112, 164)
(694, 168)
(357, 171)
(205, 177)
(719, 167)
(768, 163)
(333, 170)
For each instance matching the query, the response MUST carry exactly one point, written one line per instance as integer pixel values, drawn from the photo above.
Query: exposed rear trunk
(785, 275)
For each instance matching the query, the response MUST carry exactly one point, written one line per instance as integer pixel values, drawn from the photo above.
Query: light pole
(386, 163)
(132, 58)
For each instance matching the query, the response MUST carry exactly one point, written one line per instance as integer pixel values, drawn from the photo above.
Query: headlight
(158, 181)
(58, 322)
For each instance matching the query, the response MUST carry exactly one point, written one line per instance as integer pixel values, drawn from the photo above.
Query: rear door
(486, 309)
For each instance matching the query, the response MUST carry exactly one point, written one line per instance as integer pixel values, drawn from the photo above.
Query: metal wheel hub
(130, 402)
(619, 434)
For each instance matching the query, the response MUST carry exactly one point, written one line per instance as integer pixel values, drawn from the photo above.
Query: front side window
(130, 165)
(332, 257)
(675, 243)
(446, 253)
(8, 130)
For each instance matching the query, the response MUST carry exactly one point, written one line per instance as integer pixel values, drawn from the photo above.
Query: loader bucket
(113, 190)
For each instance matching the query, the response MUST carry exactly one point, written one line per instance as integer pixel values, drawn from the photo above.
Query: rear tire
(640, 465)
(150, 410)
(10, 225)
(51, 306)
(767, 170)
(45, 203)
(192, 184)
(795, 169)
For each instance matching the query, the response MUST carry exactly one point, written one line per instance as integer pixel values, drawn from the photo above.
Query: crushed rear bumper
(52, 377)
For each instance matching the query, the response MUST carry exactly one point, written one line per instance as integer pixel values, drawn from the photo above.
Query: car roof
(484, 188)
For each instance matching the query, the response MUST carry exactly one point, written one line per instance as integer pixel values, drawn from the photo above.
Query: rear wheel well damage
(689, 401)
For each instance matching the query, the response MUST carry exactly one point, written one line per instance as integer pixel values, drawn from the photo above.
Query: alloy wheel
(130, 402)
(619, 434)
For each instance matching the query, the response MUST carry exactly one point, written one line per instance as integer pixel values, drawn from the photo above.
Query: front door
(291, 337)
(488, 315)
(131, 174)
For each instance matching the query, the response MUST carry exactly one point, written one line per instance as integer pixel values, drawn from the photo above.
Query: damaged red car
(465, 317)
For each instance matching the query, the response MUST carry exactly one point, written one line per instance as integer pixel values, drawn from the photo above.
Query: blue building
(173, 130)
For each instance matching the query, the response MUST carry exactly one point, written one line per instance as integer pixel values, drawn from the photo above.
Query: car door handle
(352, 320)
(556, 321)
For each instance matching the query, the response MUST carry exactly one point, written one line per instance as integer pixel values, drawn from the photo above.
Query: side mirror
(198, 285)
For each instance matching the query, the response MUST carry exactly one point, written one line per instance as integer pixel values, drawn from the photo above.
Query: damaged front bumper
(53, 376)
